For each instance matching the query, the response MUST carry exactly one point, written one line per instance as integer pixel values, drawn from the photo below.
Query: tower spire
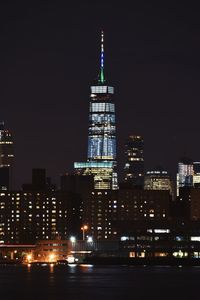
(102, 78)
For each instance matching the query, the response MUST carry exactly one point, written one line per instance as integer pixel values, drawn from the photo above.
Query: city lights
(29, 258)
(73, 239)
(52, 258)
(84, 228)
(89, 239)
(142, 217)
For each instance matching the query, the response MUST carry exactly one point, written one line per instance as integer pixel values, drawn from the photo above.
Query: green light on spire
(102, 79)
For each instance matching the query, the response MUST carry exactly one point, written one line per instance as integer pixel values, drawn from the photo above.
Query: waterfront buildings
(164, 238)
(89, 205)
(50, 250)
(28, 216)
(134, 161)
(101, 157)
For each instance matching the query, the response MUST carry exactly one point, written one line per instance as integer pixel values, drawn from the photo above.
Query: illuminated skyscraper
(101, 158)
(6, 157)
(134, 164)
(185, 174)
(158, 179)
(196, 174)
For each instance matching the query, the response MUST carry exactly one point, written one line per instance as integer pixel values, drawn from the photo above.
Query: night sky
(49, 55)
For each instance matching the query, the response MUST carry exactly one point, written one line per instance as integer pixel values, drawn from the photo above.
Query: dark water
(99, 282)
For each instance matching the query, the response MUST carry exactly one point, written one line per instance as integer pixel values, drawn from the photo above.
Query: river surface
(99, 282)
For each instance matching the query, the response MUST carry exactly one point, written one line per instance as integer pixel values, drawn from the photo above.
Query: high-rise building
(196, 174)
(135, 204)
(39, 182)
(99, 211)
(6, 157)
(101, 157)
(185, 174)
(134, 160)
(158, 179)
(28, 216)
(187, 205)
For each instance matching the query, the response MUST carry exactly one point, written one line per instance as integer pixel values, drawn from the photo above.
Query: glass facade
(185, 174)
(196, 176)
(93, 164)
(101, 139)
(101, 152)
(102, 89)
(158, 180)
(102, 136)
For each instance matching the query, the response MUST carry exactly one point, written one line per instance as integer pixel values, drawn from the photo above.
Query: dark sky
(49, 53)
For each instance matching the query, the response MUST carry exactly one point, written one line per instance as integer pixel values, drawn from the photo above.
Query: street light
(90, 239)
(84, 228)
(72, 239)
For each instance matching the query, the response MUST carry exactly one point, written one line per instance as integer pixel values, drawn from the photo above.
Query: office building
(134, 161)
(101, 157)
(6, 157)
(158, 179)
(185, 174)
(187, 205)
(196, 174)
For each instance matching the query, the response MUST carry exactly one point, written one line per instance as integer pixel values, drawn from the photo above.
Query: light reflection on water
(74, 282)
(86, 266)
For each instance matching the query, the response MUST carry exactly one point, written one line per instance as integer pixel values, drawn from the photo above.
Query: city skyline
(99, 149)
(152, 55)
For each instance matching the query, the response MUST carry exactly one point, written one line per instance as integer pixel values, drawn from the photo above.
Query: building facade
(134, 160)
(144, 205)
(158, 179)
(100, 210)
(185, 174)
(196, 174)
(6, 157)
(29, 216)
(187, 205)
(160, 239)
